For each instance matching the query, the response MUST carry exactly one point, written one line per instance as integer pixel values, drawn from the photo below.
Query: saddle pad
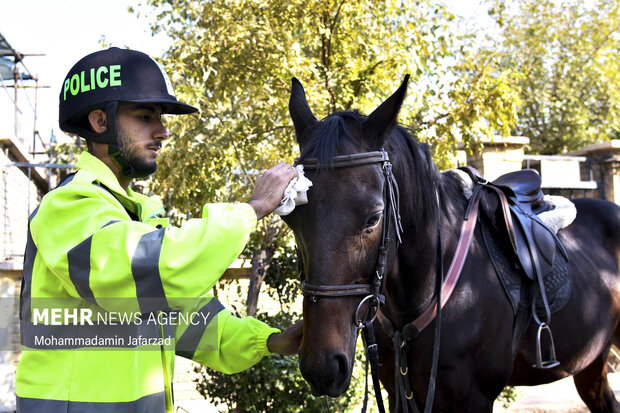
(562, 212)
(557, 282)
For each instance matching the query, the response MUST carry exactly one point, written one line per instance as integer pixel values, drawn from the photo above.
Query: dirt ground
(558, 397)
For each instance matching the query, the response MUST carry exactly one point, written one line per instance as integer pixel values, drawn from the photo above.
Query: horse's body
(338, 233)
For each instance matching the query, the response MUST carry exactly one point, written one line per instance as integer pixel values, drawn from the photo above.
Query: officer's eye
(146, 116)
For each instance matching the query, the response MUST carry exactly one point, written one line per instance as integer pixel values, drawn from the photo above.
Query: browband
(343, 161)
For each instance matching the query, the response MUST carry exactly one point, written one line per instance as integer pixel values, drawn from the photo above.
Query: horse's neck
(413, 277)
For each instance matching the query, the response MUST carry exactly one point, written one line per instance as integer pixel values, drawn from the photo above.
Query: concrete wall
(605, 160)
(591, 172)
(499, 156)
(19, 196)
(9, 335)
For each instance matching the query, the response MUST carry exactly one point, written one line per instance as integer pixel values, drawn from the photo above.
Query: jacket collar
(100, 173)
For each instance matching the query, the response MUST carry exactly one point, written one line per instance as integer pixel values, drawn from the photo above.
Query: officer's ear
(97, 120)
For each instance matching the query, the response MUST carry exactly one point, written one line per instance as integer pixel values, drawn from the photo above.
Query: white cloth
(295, 193)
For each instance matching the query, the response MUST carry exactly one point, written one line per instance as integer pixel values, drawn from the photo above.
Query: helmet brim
(169, 106)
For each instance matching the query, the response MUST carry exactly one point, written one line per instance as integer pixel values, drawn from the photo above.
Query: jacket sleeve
(215, 338)
(86, 239)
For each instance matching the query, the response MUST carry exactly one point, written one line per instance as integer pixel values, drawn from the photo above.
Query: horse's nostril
(341, 359)
(341, 364)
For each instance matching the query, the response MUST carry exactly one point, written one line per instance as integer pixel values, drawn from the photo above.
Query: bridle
(372, 292)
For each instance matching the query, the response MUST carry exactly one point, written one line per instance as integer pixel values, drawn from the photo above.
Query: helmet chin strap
(117, 154)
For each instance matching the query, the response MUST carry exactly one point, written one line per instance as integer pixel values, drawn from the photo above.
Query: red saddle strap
(454, 272)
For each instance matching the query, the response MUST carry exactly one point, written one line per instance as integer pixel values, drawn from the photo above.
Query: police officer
(95, 245)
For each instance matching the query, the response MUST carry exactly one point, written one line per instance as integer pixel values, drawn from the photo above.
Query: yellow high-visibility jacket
(86, 255)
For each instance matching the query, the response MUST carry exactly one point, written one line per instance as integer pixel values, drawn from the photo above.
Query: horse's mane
(415, 172)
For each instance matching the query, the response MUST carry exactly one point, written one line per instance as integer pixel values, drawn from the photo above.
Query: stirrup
(552, 362)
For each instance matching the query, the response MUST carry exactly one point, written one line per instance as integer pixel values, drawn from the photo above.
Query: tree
(567, 53)
(234, 59)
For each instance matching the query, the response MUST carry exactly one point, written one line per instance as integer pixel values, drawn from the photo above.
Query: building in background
(592, 172)
(21, 187)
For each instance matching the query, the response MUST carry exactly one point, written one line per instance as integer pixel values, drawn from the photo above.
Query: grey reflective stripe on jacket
(145, 271)
(153, 403)
(188, 343)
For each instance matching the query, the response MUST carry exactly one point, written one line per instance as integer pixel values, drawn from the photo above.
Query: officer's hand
(270, 187)
(288, 341)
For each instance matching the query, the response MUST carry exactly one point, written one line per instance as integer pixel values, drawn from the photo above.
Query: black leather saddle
(518, 200)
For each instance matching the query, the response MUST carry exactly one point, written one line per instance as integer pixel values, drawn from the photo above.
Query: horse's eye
(372, 222)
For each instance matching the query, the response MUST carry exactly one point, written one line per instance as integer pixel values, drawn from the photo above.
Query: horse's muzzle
(330, 376)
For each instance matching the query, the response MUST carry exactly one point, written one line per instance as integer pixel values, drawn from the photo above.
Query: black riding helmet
(107, 78)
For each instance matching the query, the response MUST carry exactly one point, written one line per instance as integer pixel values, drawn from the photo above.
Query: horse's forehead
(347, 182)
(337, 203)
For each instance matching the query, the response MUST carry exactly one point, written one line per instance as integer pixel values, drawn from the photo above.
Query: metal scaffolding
(14, 74)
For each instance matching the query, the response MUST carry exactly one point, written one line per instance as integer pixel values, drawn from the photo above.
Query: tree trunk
(261, 260)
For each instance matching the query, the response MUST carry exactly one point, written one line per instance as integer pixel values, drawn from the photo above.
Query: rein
(373, 291)
(411, 331)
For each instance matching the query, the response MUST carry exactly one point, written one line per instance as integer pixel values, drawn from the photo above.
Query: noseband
(373, 291)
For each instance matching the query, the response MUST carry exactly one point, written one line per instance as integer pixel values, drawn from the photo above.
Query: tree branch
(431, 122)
(237, 152)
(360, 82)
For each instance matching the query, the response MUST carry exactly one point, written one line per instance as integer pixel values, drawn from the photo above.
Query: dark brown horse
(339, 234)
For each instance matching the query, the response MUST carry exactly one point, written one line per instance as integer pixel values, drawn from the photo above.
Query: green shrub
(273, 385)
(507, 396)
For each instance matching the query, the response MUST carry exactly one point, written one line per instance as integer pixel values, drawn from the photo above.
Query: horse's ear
(300, 111)
(383, 119)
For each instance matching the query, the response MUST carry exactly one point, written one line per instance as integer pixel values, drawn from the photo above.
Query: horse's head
(339, 231)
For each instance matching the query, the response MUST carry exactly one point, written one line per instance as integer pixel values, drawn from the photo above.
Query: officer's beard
(139, 167)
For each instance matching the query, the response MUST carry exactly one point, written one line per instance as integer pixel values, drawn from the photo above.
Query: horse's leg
(479, 402)
(592, 383)
(593, 386)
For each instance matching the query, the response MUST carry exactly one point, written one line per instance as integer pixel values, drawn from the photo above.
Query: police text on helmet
(100, 77)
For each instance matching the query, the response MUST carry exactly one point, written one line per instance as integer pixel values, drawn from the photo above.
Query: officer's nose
(161, 132)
